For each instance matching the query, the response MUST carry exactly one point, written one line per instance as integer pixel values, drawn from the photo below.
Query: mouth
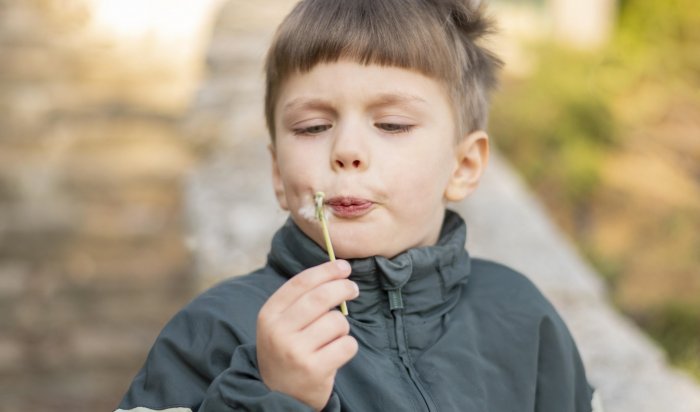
(349, 207)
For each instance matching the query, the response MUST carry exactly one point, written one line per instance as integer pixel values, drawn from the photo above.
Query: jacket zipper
(396, 307)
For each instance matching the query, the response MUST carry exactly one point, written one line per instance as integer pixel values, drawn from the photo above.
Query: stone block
(88, 258)
(14, 278)
(11, 354)
(35, 65)
(128, 151)
(101, 344)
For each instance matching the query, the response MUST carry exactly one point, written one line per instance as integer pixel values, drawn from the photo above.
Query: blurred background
(606, 131)
(112, 113)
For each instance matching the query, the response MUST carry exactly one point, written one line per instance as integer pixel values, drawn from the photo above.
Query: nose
(349, 152)
(355, 164)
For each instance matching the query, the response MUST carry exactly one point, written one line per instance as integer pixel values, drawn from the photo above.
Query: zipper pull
(395, 299)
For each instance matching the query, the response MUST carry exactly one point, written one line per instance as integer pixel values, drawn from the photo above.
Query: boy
(381, 104)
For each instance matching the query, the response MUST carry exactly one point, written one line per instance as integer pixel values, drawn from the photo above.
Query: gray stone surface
(233, 215)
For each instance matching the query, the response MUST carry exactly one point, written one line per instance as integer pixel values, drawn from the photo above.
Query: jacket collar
(426, 277)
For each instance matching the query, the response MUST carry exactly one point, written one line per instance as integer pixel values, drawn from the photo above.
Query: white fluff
(308, 212)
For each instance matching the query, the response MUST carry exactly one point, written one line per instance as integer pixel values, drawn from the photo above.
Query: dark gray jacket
(437, 331)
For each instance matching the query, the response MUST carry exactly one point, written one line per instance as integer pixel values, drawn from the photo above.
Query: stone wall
(92, 261)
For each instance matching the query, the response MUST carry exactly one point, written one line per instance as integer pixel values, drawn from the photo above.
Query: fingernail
(342, 265)
(357, 289)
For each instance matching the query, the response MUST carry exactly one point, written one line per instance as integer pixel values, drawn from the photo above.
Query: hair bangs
(365, 31)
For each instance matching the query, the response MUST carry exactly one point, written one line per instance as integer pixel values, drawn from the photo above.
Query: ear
(472, 155)
(277, 184)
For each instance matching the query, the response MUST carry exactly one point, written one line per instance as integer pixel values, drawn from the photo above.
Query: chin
(359, 250)
(352, 251)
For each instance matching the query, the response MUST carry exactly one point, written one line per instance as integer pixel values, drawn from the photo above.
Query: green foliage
(661, 39)
(609, 269)
(655, 26)
(557, 125)
(676, 327)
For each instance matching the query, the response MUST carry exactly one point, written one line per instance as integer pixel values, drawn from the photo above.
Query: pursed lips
(348, 206)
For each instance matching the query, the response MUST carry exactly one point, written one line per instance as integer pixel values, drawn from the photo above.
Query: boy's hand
(301, 342)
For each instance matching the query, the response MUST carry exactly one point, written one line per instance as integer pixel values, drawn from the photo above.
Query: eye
(311, 130)
(394, 127)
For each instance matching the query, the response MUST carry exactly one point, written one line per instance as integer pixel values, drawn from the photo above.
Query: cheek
(288, 157)
(431, 169)
(295, 179)
(298, 176)
(419, 187)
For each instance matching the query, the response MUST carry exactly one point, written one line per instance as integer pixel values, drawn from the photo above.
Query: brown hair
(437, 38)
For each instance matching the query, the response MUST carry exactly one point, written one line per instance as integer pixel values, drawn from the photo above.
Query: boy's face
(381, 143)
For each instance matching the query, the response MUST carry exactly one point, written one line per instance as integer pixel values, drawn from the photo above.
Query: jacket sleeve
(197, 363)
(561, 378)
(241, 388)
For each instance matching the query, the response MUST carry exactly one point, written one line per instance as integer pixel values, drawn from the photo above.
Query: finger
(304, 281)
(329, 327)
(337, 353)
(317, 302)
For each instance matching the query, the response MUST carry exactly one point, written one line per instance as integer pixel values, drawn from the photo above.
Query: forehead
(372, 85)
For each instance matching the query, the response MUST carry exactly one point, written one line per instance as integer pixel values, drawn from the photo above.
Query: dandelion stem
(321, 216)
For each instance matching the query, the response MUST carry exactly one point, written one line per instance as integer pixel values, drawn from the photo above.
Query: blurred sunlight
(166, 20)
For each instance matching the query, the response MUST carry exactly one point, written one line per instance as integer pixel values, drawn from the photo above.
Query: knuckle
(263, 316)
(291, 356)
(351, 288)
(346, 326)
(337, 318)
(300, 363)
(317, 298)
(273, 338)
(307, 368)
(263, 322)
(339, 322)
(267, 321)
(350, 345)
(301, 281)
(328, 295)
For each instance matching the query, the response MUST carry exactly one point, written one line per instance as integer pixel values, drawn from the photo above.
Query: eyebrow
(395, 99)
(306, 103)
(383, 99)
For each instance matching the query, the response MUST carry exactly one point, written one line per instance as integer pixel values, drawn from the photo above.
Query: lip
(349, 207)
